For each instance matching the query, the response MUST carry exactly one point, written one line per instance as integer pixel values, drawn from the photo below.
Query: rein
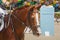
(20, 21)
(13, 24)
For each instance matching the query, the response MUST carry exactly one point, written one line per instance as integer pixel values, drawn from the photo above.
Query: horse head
(32, 19)
(22, 17)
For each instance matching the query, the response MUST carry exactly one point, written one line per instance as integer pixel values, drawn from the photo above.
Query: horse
(36, 16)
(16, 22)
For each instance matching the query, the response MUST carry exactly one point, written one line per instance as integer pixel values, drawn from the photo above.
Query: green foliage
(33, 2)
(0, 1)
(8, 0)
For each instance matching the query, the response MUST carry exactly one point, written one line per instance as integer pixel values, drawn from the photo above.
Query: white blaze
(37, 19)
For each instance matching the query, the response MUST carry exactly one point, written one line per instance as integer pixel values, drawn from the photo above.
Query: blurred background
(54, 3)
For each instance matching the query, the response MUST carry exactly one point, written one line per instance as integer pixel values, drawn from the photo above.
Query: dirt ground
(30, 36)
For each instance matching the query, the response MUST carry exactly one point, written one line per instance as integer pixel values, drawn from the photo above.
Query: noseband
(20, 20)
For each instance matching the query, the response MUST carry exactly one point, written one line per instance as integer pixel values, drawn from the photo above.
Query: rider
(2, 13)
(2, 9)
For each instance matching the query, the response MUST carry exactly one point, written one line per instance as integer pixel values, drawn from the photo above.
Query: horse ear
(38, 6)
(31, 8)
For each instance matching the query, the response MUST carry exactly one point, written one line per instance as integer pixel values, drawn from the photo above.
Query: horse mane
(21, 7)
(25, 6)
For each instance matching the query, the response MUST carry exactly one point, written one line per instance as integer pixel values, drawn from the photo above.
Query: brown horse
(18, 20)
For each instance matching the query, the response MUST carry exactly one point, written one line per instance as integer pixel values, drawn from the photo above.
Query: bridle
(21, 21)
